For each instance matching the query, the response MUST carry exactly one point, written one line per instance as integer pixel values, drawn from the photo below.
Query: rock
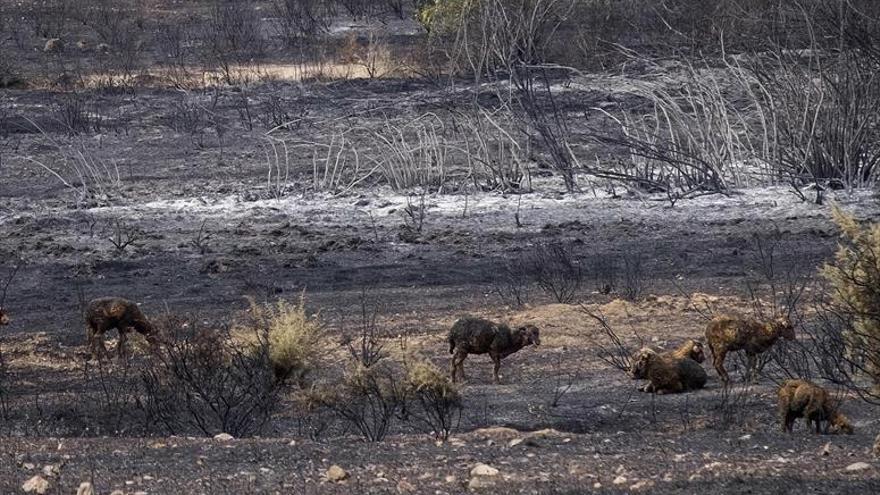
(37, 485)
(483, 470)
(450, 479)
(336, 474)
(620, 480)
(826, 449)
(857, 467)
(478, 482)
(85, 488)
(117, 492)
(53, 45)
(223, 437)
(404, 486)
(597, 486)
(515, 442)
(642, 485)
(50, 470)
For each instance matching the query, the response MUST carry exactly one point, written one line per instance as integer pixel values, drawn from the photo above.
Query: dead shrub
(437, 400)
(555, 270)
(207, 382)
(367, 399)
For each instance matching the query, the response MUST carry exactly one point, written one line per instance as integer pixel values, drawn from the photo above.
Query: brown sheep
(472, 335)
(803, 399)
(105, 313)
(667, 374)
(730, 333)
(4, 317)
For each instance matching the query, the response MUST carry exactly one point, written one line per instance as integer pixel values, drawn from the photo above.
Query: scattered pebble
(85, 488)
(641, 485)
(37, 485)
(826, 450)
(223, 437)
(335, 474)
(483, 470)
(620, 480)
(857, 467)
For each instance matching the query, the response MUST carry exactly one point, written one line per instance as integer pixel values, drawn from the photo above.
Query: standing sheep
(803, 399)
(472, 335)
(106, 313)
(666, 373)
(729, 333)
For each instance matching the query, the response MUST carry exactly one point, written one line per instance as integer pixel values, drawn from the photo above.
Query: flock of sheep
(677, 371)
(672, 372)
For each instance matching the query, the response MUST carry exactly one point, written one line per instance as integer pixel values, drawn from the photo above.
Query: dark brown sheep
(667, 374)
(471, 335)
(106, 313)
(727, 333)
(803, 399)
(4, 317)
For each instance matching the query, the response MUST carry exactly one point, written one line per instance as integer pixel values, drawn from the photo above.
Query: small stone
(620, 480)
(826, 450)
(641, 485)
(857, 467)
(336, 474)
(745, 437)
(50, 470)
(597, 486)
(85, 488)
(478, 482)
(404, 486)
(483, 470)
(28, 466)
(450, 479)
(223, 437)
(37, 485)
(515, 442)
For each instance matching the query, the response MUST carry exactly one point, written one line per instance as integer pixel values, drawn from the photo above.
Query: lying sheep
(729, 333)
(106, 313)
(666, 373)
(803, 399)
(472, 335)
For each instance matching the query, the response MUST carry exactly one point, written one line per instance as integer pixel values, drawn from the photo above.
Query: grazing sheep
(667, 374)
(729, 333)
(689, 349)
(4, 317)
(803, 399)
(105, 313)
(471, 335)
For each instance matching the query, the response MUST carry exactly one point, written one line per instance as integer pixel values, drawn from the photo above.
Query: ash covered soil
(208, 232)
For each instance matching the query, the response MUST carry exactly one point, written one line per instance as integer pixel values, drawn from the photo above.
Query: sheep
(803, 399)
(4, 317)
(472, 335)
(727, 333)
(105, 313)
(666, 373)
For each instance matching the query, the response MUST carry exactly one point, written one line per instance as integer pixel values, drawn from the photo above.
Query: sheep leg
(752, 367)
(718, 362)
(96, 341)
(123, 337)
(458, 365)
(497, 361)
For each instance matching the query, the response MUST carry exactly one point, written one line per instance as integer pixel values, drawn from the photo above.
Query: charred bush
(206, 382)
